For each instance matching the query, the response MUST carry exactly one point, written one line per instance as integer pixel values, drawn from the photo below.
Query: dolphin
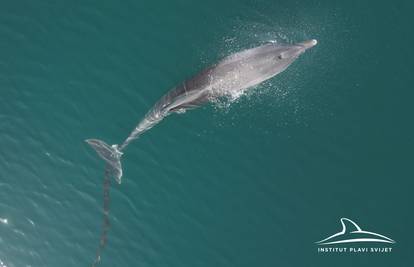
(351, 233)
(233, 74)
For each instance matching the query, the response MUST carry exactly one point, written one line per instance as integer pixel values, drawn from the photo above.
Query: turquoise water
(252, 182)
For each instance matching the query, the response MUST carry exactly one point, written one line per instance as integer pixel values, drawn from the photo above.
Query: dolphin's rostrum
(230, 76)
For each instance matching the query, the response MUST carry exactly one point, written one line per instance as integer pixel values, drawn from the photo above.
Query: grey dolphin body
(233, 74)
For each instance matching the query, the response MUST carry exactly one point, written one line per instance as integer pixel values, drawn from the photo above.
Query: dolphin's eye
(279, 56)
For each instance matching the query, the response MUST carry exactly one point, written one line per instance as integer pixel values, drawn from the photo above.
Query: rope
(105, 224)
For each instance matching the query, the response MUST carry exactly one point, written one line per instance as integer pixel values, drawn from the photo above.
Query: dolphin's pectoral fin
(179, 111)
(182, 109)
(187, 106)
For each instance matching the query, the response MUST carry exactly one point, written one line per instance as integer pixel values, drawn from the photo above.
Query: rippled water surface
(252, 181)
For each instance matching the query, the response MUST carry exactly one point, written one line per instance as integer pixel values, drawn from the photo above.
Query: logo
(353, 239)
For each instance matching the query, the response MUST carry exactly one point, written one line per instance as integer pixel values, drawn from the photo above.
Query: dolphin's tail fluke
(111, 155)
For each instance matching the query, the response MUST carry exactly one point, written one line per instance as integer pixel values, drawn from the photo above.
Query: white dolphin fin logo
(351, 232)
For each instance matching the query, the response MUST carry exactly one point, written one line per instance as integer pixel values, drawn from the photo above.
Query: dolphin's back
(233, 72)
(250, 53)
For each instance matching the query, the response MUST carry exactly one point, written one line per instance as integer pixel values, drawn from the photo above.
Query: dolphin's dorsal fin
(349, 226)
